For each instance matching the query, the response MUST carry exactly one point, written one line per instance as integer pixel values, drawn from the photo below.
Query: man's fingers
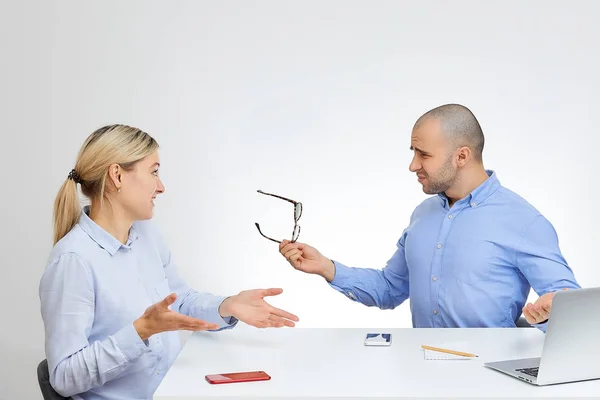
(296, 260)
(291, 253)
(542, 313)
(286, 246)
(283, 249)
(546, 307)
(531, 311)
(528, 315)
(534, 313)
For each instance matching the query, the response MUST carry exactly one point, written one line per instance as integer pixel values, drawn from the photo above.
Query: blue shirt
(92, 290)
(469, 265)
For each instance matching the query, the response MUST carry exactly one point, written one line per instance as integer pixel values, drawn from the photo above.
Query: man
(470, 254)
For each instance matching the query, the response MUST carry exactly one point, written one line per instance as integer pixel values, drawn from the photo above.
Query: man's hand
(307, 259)
(540, 310)
(250, 307)
(159, 318)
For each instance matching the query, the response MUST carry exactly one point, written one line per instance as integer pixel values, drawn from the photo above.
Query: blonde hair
(113, 144)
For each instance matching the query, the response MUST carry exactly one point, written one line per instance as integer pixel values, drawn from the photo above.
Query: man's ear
(463, 156)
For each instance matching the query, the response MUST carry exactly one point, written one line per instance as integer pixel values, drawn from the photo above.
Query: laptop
(571, 349)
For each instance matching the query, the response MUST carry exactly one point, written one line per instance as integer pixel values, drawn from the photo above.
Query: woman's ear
(114, 174)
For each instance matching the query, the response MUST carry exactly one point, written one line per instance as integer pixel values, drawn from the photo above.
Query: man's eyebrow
(417, 149)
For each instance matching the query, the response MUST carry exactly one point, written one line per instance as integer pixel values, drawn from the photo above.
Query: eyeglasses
(297, 215)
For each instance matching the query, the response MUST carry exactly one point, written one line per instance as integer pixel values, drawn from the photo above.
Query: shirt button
(473, 204)
(450, 216)
(158, 372)
(434, 278)
(439, 246)
(351, 295)
(435, 312)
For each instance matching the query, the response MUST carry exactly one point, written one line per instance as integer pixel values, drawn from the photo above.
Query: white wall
(311, 100)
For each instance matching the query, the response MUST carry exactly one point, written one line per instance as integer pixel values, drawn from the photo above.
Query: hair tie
(74, 176)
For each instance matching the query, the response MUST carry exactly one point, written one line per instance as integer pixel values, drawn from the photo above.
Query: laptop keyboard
(529, 371)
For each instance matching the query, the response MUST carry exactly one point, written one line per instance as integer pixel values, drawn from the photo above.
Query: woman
(111, 297)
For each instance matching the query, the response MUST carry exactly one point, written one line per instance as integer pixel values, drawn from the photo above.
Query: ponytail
(67, 209)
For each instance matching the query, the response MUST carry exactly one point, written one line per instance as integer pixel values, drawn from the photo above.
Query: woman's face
(139, 188)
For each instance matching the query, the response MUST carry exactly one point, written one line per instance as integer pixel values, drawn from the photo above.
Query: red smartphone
(232, 377)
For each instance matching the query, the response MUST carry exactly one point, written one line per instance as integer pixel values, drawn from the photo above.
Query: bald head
(459, 125)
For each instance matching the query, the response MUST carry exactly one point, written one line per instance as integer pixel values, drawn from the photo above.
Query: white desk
(321, 363)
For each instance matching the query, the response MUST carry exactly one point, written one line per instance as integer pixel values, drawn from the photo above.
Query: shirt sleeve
(67, 306)
(386, 288)
(540, 260)
(190, 302)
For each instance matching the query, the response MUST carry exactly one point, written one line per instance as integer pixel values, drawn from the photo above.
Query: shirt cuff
(130, 343)
(541, 326)
(343, 280)
(212, 314)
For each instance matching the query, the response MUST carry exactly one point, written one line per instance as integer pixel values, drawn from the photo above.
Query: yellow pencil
(458, 353)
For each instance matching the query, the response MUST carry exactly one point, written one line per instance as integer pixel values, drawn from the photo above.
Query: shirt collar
(104, 239)
(480, 193)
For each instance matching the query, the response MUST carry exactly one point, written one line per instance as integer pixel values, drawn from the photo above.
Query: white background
(312, 100)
